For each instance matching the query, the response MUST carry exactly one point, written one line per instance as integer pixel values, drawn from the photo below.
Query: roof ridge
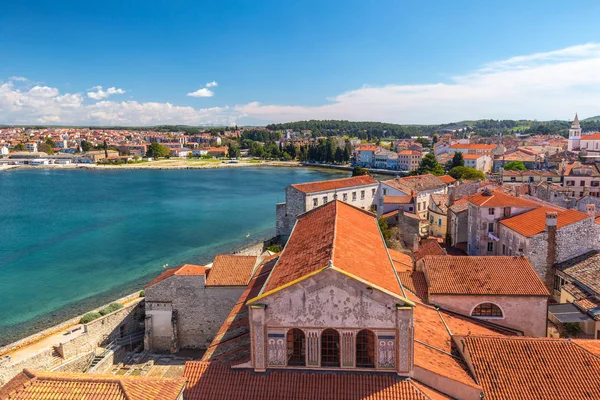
(335, 228)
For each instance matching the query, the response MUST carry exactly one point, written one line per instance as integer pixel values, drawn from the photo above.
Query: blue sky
(396, 61)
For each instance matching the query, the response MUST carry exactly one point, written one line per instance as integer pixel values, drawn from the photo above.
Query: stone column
(347, 349)
(257, 337)
(313, 348)
(405, 339)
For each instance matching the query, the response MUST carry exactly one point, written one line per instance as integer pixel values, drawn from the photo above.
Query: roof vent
(486, 192)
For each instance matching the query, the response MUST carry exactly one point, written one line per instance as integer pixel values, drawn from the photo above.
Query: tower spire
(576, 120)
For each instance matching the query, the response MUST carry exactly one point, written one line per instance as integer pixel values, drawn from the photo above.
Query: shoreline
(158, 165)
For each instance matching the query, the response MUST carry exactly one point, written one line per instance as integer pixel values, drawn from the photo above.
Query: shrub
(108, 309)
(89, 317)
(572, 328)
(275, 248)
(142, 294)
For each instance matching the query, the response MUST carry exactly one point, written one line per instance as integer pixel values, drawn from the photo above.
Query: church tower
(574, 135)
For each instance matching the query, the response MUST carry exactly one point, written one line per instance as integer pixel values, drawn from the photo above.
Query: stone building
(438, 215)
(485, 211)
(185, 306)
(302, 197)
(581, 179)
(503, 290)
(547, 236)
(459, 223)
(419, 188)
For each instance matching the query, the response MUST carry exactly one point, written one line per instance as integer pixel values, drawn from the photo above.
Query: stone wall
(408, 227)
(104, 330)
(77, 364)
(199, 311)
(524, 313)
(295, 203)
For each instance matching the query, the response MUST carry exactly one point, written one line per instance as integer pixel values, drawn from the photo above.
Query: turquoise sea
(73, 240)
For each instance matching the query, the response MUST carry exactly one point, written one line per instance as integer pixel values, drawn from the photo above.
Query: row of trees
(454, 167)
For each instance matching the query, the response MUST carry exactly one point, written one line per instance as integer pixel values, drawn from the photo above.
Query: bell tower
(574, 135)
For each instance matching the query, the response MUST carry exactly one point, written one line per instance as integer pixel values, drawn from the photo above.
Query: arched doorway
(330, 348)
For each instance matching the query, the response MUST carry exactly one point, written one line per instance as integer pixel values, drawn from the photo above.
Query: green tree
(515, 166)
(86, 146)
(386, 232)
(424, 142)
(457, 160)
(469, 173)
(45, 148)
(339, 155)
(346, 154)
(233, 151)
(50, 142)
(157, 150)
(358, 171)
(20, 147)
(430, 165)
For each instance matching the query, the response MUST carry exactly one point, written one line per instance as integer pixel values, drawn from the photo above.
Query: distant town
(472, 272)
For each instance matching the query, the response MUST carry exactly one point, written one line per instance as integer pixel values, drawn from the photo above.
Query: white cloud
(204, 92)
(547, 85)
(97, 93)
(212, 84)
(552, 85)
(18, 79)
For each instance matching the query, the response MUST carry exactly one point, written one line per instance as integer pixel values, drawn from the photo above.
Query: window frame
(330, 348)
(365, 349)
(487, 310)
(296, 342)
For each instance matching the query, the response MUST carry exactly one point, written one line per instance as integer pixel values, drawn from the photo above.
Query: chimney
(590, 209)
(416, 243)
(551, 228)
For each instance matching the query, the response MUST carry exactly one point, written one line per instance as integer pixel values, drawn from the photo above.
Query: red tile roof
(397, 199)
(499, 199)
(231, 344)
(42, 385)
(533, 368)
(472, 156)
(339, 232)
(474, 146)
(415, 282)
(532, 222)
(447, 179)
(584, 270)
(334, 184)
(402, 261)
(215, 382)
(593, 136)
(184, 270)
(231, 270)
(482, 275)
(416, 183)
(428, 247)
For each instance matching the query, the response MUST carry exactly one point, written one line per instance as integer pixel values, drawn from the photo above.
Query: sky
(257, 62)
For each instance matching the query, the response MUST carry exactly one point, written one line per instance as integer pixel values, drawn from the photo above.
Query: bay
(72, 240)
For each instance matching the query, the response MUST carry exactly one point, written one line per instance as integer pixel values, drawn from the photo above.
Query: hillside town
(422, 285)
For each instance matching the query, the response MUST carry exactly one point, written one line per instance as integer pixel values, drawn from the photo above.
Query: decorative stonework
(259, 350)
(276, 349)
(386, 346)
(312, 348)
(348, 347)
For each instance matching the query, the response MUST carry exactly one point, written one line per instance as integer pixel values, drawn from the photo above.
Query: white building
(480, 162)
(574, 135)
(4, 151)
(359, 191)
(412, 190)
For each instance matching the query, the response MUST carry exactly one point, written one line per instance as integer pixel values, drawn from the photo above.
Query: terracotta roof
(34, 385)
(397, 199)
(389, 214)
(339, 232)
(533, 368)
(482, 275)
(402, 261)
(533, 222)
(591, 345)
(344, 183)
(474, 146)
(499, 199)
(184, 270)
(428, 247)
(215, 382)
(460, 205)
(231, 344)
(415, 282)
(593, 136)
(416, 183)
(441, 201)
(231, 270)
(472, 156)
(410, 152)
(585, 270)
(447, 179)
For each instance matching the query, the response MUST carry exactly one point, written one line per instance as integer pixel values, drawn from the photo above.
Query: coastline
(160, 165)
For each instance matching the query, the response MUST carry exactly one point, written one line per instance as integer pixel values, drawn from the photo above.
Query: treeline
(362, 130)
(260, 135)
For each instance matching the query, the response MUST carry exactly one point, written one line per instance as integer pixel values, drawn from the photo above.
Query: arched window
(296, 347)
(330, 348)
(365, 349)
(487, 310)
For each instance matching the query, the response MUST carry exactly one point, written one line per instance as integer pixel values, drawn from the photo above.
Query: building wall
(437, 222)
(459, 225)
(199, 311)
(331, 299)
(295, 203)
(525, 313)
